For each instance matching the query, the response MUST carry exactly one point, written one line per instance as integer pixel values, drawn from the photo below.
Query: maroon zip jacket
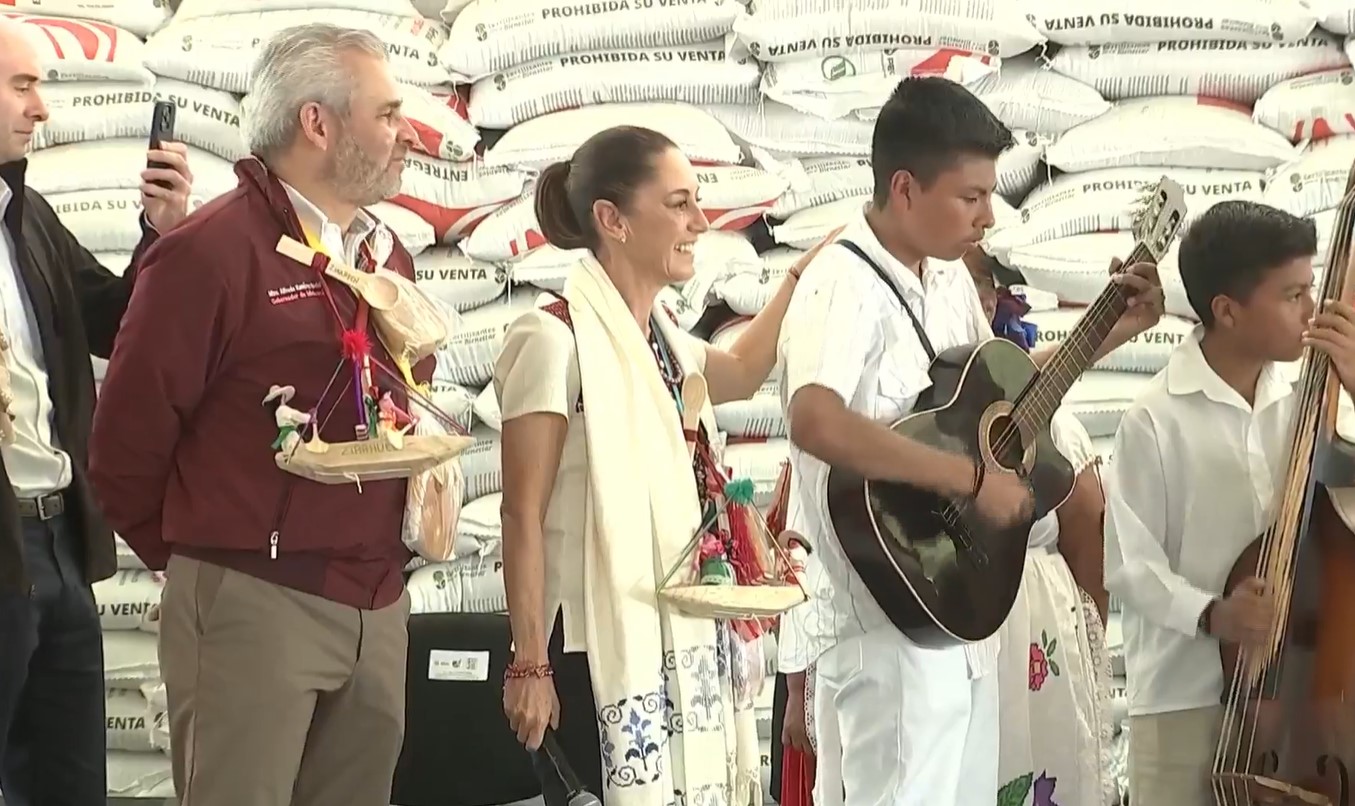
(180, 455)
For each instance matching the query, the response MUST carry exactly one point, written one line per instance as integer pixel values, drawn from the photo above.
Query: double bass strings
(1275, 562)
(1236, 752)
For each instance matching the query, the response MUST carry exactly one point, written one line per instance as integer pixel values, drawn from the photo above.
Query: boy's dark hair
(1230, 248)
(926, 126)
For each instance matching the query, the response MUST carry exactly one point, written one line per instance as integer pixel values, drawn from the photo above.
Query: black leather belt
(44, 508)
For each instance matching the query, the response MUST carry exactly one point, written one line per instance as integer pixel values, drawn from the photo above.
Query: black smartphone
(162, 130)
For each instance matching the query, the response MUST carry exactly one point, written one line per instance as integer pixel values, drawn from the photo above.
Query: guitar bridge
(957, 532)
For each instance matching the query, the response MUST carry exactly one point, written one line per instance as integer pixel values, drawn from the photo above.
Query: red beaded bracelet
(520, 671)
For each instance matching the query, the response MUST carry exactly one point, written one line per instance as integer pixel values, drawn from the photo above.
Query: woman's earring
(622, 237)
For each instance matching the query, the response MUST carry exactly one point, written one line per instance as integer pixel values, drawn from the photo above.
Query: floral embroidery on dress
(1042, 663)
(634, 734)
(1041, 790)
(642, 736)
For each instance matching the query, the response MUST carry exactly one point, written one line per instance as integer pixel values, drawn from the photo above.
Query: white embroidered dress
(674, 734)
(1054, 672)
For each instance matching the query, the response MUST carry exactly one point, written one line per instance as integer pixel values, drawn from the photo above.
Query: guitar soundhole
(1003, 439)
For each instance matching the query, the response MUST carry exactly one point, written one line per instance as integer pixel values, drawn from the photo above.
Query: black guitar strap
(908, 309)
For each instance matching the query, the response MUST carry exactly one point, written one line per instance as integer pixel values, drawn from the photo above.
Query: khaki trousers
(276, 697)
(1171, 756)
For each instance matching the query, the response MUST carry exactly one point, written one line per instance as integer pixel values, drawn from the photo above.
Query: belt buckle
(43, 513)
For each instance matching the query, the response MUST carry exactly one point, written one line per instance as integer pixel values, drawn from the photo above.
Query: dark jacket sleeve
(102, 294)
(170, 346)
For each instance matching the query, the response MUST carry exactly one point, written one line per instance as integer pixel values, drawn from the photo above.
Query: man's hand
(1332, 330)
(166, 207)
(1004, 499)
(1147, 302)
(1245, 616)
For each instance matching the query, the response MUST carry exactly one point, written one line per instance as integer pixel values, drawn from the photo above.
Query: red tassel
(355, 344)
(742, 552)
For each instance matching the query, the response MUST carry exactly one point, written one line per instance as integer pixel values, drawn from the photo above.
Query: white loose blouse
(538, 371)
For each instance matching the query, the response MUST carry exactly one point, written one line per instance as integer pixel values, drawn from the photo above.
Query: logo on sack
(836, 68)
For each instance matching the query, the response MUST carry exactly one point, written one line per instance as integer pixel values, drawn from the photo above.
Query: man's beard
(359, 178)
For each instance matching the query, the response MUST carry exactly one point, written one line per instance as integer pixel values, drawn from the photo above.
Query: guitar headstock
(1160, 217)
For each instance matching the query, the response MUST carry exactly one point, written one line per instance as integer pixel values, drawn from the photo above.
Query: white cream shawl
(671, 730)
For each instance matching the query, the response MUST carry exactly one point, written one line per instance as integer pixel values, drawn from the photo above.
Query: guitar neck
(1074, 356)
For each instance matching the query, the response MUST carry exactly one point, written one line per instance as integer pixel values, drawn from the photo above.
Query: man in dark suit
(58, 306)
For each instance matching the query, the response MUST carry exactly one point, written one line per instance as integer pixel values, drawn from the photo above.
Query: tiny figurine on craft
(290, 421)
(393, 422)
(386, 445)
(715, 566)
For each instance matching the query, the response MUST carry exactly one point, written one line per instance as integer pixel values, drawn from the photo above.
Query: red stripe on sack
(443, 219)
(430, 139)
(937, 63)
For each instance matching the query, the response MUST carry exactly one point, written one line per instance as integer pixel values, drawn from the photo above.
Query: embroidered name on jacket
(309, 289)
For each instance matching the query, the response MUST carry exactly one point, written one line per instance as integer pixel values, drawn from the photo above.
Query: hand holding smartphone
(162, 131)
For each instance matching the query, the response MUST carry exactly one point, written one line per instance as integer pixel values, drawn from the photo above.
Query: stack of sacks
(138, 765)
(138, 732)
(849, 74)
(823, 93)
(556, 76)
(213, 44)
(1294, 77)
(138, 761)
(1182, 108)
(471, 584)
(850, 63)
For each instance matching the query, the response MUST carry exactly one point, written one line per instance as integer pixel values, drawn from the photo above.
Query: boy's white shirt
(1192, 481)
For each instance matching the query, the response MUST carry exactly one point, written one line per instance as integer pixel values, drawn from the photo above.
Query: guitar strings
(1102, 308)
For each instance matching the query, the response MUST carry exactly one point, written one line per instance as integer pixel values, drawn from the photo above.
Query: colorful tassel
(743, 552)
(355, 344)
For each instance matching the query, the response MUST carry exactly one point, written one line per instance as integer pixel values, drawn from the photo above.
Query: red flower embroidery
(1042, 663)
(1039, 667)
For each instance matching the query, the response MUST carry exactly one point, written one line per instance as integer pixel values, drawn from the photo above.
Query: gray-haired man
(283, 630)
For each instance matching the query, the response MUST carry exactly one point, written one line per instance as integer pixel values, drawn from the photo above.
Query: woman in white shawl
(601, 496)
(1054, 670)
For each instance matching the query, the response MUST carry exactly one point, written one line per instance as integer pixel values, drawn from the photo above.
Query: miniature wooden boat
(371, 459)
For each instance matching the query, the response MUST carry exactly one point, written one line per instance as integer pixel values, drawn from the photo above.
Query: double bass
(1288, 728)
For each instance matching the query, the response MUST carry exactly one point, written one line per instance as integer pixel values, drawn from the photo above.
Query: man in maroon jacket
(283, 621)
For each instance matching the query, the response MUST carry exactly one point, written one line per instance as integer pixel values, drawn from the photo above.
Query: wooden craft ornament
(717, 592)
(377, 290)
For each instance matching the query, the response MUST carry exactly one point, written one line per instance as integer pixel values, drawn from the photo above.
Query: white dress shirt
(852, 337)
(1194, 481)
(35, 462)
(337, 243)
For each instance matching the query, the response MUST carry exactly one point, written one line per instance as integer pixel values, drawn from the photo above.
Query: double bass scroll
(1288, 729)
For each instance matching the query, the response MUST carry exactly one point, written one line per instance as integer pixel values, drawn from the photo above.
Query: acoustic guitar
(943, 574)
